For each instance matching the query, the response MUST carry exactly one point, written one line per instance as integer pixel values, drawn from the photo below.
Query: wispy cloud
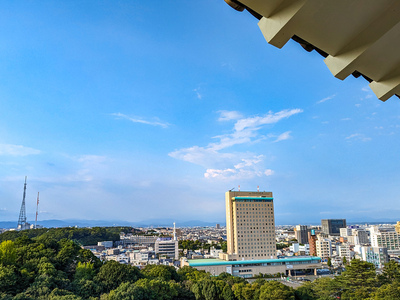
(345, 119)
(247, 168)
(368, 91)
(17, 150)
(226, 115)
(232, 165)
(284, 136)
(358, 136)
(198, 94)
(326, 99)
(155, 122)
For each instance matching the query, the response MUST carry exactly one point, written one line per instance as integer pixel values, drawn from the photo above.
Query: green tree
(227, 293)
(163, 272)
(191, 274)
(112, 274)
(344, 260)
(305, 292)
(387, 291)
(274, 290)
(358, 281)
(205, 290)
(390, 272)
(8, 279)
(322, 288)
(146, 289)
(84, 271)
(8, 253)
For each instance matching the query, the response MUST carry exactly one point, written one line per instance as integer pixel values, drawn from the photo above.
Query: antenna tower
(22, 213)
(37, 206)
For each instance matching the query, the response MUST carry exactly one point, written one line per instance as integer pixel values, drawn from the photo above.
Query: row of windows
(256, 247)
(263, 204)
(268, 253)
(262, 209)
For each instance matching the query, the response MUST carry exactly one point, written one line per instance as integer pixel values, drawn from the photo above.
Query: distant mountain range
(148, 223)
(94, 223)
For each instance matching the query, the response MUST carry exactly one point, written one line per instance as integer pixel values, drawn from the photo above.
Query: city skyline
(137, 111)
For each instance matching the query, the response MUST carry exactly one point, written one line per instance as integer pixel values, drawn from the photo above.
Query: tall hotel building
(250, 224)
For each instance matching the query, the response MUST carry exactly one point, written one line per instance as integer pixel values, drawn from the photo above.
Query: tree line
(46, 268)
(82, 236)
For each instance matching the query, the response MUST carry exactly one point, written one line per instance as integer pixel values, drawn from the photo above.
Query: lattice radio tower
(22, 213)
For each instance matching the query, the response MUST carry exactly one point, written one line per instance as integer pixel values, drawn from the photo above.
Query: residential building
(343, 250)
(345, 232)
(324, 247)
(376, 255)
(360, 236)
(250, 225)
(312, 241)
(301, 234)
(139, 257)
(385, 237)
(332, 226)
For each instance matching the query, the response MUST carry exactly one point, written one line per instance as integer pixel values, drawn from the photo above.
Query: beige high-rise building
(250, 224)
(397, 227)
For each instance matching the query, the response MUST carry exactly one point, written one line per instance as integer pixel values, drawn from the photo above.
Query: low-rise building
(250, 268)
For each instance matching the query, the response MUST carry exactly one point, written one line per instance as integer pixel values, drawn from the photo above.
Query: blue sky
(135, 110)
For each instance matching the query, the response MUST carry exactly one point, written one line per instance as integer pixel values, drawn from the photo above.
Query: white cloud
(284, 136)
(269, 118)
(214, 173)
(366, 89)
(17, 150)
(269, 172)
(248, 168)
(326, 99)
(226, 115)
(156, 122)
(232, 165)
(197, 91)
(358, 136)
(345, 119)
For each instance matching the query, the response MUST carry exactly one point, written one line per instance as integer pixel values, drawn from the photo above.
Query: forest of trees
(82, 236)
(47, 268)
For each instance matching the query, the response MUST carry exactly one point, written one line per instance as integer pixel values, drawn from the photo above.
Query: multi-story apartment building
(343, 250)
(301, 234)
(345, 232)
(332, 226)
(387, 239)
(250, 225)
(324, 248)
(376, 255)
(312, 240)
(360, 236)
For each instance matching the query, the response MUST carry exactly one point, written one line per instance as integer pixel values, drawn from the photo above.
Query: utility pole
(37, 206)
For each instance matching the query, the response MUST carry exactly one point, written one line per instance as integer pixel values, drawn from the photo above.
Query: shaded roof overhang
(356, 37)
